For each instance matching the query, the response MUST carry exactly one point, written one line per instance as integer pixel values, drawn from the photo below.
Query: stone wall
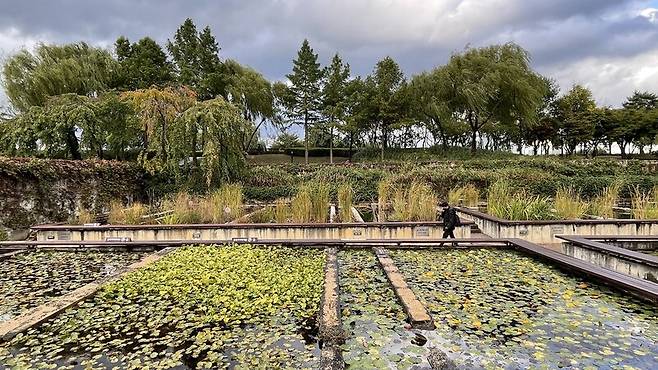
(34, 191)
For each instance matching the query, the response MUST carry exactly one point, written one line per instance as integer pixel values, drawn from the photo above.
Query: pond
(198, 307)
(373, 320)
(499, 308)
(30, 279)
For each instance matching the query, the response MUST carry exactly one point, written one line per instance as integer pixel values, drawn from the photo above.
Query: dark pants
(448, 233)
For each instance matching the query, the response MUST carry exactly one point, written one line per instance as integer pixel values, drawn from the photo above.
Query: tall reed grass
(301, 205)
(468, 196)
(85, 217)
(645, 205)
(416, 203)
(504, 203)
(281, 211)
(344, 196)
(603, 204)
(223, 205)
(569, 205)
(132, 215)
(184, 209)
(385, 193)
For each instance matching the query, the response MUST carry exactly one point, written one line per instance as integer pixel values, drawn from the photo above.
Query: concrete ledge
(418, 316)
(331, 332)
(640, 288)
(11, 254)
(612, 257)
(53, 307)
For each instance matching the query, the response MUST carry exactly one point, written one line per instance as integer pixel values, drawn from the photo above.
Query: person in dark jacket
(450, 220)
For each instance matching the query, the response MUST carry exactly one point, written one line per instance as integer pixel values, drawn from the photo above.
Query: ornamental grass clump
(85, 217)
(569, 205)
(504, 203)
(468, 196)
(344, 195)
(281, 211)
(136, 214)
(320, 198)
(416, 203)
(301, 205)
(603, 204)
(645, 205)
(385, 193)
(223, 205)
(183, 210)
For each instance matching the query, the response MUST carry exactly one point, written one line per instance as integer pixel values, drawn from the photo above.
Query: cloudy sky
(609, 45)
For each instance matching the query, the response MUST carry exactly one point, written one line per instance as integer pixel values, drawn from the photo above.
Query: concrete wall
(226, 232)
(612, 262)
(544, 232)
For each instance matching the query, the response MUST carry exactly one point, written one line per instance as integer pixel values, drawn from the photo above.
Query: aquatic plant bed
(198, 307)
(499, 308)
(32, 278)
(373, 320)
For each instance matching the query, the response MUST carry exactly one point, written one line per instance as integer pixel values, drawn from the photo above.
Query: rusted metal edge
(608, 238)
(56, 305)
(504, 222)
(638, 287)
(418, 316)
(331, 332)
(623, 253)
(239, 226)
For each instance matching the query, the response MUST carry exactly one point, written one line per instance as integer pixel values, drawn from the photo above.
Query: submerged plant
(569, 205)
(345, 202)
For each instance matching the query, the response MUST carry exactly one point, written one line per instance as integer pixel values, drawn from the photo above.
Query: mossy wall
(34, 191)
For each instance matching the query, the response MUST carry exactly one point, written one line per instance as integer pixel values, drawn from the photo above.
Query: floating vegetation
(499, 309)
(199, 307)
(30, 279)
(372, 317)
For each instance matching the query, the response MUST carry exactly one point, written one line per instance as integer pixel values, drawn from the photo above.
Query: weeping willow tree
(217, 128)
(158, 109)
(31, 78)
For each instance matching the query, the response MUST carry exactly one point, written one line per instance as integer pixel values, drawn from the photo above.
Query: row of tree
(186, 109)
(484, 97)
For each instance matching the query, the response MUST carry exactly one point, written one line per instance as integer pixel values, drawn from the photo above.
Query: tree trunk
(383, 143)
(474, 138)
(351, 145)
(306, 137)
(72, 144)
(331, 145)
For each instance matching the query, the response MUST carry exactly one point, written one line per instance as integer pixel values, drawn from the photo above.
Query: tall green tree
(143, 64)
(428, 107)
(493, 84)
(390, 98)
(196, 58)
(333, 97)
(304, 100)
(254, 95)
(641, 110)
(30, 79)
(575, 116)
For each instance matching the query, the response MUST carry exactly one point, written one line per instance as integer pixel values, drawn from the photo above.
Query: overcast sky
(610, 46)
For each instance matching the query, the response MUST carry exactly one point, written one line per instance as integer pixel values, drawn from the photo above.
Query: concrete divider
(331, 332)
(418, 316)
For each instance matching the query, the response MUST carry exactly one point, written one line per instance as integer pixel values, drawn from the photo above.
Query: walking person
(450, 220)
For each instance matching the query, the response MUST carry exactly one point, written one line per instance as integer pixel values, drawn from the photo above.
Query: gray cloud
(566, 38)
